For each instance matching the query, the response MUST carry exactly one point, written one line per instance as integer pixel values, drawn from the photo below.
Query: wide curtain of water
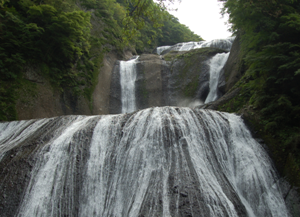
(167, 161)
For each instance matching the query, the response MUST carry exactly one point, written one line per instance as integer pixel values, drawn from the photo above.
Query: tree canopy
(270, 41)
(66, 40)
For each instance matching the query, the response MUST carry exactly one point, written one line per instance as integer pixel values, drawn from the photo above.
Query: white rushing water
(15, 132)
(165, 161)
(216, 65)
(127, 80)
(160, 49)
(224, 44)
(53, 180)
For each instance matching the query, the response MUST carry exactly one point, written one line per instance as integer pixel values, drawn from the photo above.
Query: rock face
(233, 69)
(102, 94)
(150, 90)
(189, 75)
(176, 78)
(40, 100)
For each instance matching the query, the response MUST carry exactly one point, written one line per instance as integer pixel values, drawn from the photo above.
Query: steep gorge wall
(80, 87)
(39, 99)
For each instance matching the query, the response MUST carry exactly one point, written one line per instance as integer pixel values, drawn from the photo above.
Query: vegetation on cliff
(270, 91)
(66, 40)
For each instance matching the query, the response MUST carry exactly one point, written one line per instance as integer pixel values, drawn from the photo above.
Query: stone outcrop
(38, 99)
(233, 69)
(102, 94)
(149, 84)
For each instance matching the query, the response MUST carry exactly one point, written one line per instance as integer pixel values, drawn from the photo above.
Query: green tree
(269, 37)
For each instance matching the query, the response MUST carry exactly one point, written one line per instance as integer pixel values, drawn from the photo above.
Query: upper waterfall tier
(180, 78)
(224, 44)
(165, 161)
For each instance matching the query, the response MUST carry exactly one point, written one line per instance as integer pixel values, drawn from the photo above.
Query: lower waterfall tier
(165, 161)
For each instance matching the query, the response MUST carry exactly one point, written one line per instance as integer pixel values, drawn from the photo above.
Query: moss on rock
(189, 70)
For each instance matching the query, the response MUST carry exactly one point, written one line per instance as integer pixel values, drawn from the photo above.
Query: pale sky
(203, 18)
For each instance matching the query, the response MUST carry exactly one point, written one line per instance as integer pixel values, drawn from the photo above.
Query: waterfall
(216, 65)
(127, 80)
(160, 49)
(224, 44)
(189, 46)
(166, 161)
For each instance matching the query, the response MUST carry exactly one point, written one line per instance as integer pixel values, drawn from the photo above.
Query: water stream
(127, 80)
(216, 64)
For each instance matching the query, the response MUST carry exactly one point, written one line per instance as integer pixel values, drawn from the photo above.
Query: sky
(203, 18)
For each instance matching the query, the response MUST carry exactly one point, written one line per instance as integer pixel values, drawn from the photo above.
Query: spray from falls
(156, 162)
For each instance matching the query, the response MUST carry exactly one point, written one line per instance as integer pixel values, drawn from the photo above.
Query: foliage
(7, 101)
(270, 41)
(67, 40)
(147, 24)
(174, 32)
(184, 64)
(55, 35)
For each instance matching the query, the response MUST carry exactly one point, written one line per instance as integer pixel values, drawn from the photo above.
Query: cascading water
(160, 49)
(224, 44)
(127, 80)
(165, 161)
(189, 46)
(216, 64)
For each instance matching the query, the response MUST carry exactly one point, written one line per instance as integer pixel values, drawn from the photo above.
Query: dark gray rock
(234, 67)
(115, 103)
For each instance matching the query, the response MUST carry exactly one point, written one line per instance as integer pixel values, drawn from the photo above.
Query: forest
(269, 89)
(66, 40)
